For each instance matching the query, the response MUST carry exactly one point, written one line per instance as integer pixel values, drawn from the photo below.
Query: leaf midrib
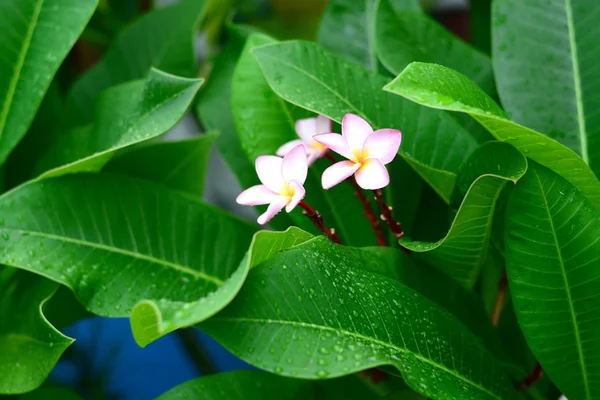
(567, 289)
(320, 82)
(12, 87)
(577, 83)
(434, 364)
(181, 268)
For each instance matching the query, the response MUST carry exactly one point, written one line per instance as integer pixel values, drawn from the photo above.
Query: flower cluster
(283, 176)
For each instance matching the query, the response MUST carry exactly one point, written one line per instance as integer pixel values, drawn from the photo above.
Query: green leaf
(442, 88)
(552, 253)
(405, 35)
(348, 29)
(125, 115)
(117, 241)
(241, 385)
(550, 86)
(307, 75)
(29, 345)
(179, 165)
(315, 312)
(37, 36)
(264, 122)
(213, 109)
(162, 39)
(462, 252)
(52, 392)
(248, 384)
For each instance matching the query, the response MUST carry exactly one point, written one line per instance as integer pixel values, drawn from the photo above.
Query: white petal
(337, 173)
(277, 205)
(285, 148)
(315, 154)
(383, 144)
(335, 142)
(268, 169)
(323, 125)
(562, 397)
(372, 175)
(299, 194)
(256, 195)
(306, 129)
(295, 165)
(355, 131)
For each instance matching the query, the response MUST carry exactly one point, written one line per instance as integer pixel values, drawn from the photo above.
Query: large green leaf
(162, 39)
(125, 115)
(29, 345)
(405, 35)
(552, 254)
(247, 384)
(36, 36)
(241, 385)
(117, 241)
(462, 252)
(307, 75)
(546, 60)
(213, 108)
(442, 88)
(180, 165)
(264, 122)
(348, 29)
(315, 312)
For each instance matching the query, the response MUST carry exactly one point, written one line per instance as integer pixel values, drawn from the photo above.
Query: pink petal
(306, 129)
(314, 155)
(372, 175)
(383, 144)
(337, 173)
(299, 193)
(323, 125)
(277, 205)
(335, 142)
(309, 127)
(256, 195)
(285, 148)
(268, 169)
(355, 131)
(295, 165)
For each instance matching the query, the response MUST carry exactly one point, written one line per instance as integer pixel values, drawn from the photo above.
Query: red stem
(366, 206)
(500, 296)
(533, 377)
(387, 217)
(317, 219)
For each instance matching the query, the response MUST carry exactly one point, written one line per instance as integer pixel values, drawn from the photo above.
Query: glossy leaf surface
(316, 312)
(462, 252)
(553, 255)
(29, 345)
(125, 115)
(36, 37)
(118, 241)
(442, 88)
(546, 60)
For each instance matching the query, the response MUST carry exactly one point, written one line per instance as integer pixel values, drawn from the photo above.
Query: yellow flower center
(287, 190)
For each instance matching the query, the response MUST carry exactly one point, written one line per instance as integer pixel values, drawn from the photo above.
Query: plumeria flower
(306, 129)
(282, 183)
(367, 152)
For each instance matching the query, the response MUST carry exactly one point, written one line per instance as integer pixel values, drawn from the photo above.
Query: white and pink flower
(367, 152)
(306, 129)
(282, 183)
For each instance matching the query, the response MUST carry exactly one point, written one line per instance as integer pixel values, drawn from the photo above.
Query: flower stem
(317, 219)
(500, 296)
(533, 377)
(366, 206)
(387, 217)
